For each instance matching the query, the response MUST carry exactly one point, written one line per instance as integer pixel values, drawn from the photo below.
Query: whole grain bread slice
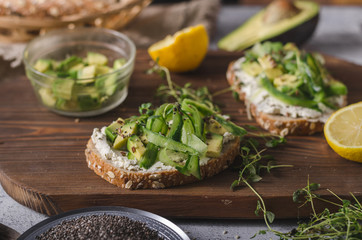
(159, 179)
(276, 124)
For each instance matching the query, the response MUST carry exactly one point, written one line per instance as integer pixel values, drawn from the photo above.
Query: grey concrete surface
(339, 34)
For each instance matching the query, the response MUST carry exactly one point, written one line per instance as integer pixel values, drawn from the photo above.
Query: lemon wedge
(343, 132)
(182, 52)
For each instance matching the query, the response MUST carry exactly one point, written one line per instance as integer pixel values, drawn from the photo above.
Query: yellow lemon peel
(343, 132)
(182, 52)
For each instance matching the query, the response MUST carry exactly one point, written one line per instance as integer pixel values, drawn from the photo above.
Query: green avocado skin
(298, 35)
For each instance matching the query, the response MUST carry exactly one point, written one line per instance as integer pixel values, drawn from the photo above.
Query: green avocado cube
(136, 147)
(100, 70)
(47, 97)
(43, 65)
(87, 72)
(88, 102)
(63, 88)
(112, 129)
(107, 84)
(252, 68)
(214, 126)
(73, 71)
(143, 138)
(68, 63)
(96, 59)
(125, 132)
(118, 63)
(67, 105)
(214, 145)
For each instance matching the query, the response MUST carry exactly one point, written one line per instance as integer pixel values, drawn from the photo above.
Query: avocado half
(297, 28)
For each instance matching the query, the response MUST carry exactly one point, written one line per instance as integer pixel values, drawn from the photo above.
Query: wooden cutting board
(42, 161)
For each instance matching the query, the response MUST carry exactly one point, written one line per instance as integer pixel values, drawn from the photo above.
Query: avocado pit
(279, 10)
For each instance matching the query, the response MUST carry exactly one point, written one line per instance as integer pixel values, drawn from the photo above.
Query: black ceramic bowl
(164, 227)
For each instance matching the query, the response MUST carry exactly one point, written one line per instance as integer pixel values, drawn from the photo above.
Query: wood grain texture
(8, 233)
(42, 161)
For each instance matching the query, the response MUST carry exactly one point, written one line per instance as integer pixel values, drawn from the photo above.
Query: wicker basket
(22, 29)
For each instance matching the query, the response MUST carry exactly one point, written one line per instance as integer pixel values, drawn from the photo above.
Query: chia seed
(101, 227)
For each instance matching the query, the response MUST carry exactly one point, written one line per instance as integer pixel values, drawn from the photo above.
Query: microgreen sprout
(179, 93)
(345, 223)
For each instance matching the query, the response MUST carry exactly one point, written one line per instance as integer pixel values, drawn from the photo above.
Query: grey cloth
(157, 21)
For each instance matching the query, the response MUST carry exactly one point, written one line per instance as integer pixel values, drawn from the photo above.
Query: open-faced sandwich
(288, 91)
(172, 145)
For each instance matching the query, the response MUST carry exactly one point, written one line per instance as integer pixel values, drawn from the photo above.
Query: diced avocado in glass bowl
(81, 72)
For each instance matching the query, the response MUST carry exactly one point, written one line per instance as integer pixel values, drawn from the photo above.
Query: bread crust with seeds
(276, 124)
(159, 179)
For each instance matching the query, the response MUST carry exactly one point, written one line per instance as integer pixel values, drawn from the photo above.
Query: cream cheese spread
(228, 136)
(264, 102)
(119, 158)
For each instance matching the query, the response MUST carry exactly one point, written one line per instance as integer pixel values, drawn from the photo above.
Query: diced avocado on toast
(170, 142)
(281, 20)
(124, 132)
(214, 144)
(113, 128)
(172, 158)
(214, 126)
(288, 90)
(136, 147)
(79, 84)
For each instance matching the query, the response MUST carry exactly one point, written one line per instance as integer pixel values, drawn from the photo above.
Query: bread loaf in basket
(22, 20)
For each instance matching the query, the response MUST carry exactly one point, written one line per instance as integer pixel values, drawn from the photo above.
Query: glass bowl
(80, 72)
